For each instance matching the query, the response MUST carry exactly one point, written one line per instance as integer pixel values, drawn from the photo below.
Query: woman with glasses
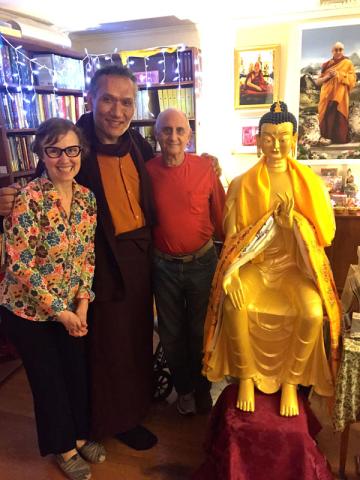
(46, 292)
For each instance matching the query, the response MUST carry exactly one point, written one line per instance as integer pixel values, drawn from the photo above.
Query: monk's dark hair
(113, 70)
(278, 114)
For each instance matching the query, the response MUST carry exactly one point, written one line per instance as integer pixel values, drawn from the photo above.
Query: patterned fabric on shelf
(347, 397)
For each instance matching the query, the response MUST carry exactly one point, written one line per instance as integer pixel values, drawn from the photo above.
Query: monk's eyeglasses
(338, 49)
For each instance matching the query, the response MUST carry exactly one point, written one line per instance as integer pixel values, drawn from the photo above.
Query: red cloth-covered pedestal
(261, 445)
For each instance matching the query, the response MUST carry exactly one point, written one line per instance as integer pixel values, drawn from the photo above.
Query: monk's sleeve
(347, 76)
(326, 214)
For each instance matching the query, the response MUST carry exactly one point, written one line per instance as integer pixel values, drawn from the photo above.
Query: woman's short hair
(50, 131)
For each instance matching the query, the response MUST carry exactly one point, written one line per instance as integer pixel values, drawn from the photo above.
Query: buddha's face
(276, 141)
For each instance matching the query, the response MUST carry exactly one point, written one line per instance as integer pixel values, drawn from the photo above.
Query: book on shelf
(167, 67)
(189, 94)
(165, 98)
(183, 100)
(7, 28)
(149, 76)
(20, 66)
(5, 64)
(26, 110)
(188, 66)
(21, 156)
(161, 100)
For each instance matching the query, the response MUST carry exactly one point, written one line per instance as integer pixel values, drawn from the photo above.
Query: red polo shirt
(189, 201)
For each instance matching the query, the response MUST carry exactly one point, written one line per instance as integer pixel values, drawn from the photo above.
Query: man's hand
(7, 198)
(215, 163)
(233, 288)
(284, 212)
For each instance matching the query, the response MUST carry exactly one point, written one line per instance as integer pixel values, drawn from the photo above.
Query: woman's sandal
(75, 468)
(93, 452)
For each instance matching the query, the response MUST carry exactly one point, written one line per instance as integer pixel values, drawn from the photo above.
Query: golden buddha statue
(264, 324)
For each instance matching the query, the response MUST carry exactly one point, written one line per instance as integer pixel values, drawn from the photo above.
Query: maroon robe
(121, 317)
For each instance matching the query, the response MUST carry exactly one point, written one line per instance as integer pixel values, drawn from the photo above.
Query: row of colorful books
(181, 98)
(163, 67)
(45, 69)
(14, 65)
(26, 110)
(21, 157)
(149, 103)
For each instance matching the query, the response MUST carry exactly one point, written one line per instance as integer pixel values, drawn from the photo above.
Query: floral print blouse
(50, 258)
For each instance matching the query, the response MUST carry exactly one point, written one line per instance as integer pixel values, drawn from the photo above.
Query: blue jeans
(182, 294)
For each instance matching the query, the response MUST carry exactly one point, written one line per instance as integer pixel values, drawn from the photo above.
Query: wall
(218, 122)
(140, 39)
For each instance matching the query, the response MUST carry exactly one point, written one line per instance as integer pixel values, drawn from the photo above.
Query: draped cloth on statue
(255, 236)
(261, 445)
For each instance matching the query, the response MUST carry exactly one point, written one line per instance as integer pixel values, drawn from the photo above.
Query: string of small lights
(20, 93)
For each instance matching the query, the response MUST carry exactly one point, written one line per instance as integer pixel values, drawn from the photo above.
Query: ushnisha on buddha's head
(277, 135)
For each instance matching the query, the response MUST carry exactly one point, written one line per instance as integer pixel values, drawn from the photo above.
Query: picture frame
(314, 141)
(256, 76)
(246, 131)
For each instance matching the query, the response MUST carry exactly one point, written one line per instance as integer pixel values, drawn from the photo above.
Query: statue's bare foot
(246, 395)
(289, 406)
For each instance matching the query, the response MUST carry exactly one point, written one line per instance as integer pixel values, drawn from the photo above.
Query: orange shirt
(121, 184)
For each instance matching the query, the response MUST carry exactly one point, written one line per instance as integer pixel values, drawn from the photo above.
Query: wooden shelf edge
(43, 88)
(23, 173)
(189, 83)
(20, 131)
(150, 121)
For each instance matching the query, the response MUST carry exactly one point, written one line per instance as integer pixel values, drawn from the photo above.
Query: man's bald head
(337, 50)
(169, 112)
(173, 132)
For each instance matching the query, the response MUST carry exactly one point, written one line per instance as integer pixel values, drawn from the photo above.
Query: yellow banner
(125, 54)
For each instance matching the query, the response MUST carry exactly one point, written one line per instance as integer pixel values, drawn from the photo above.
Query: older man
(189, 201)
(336, 80)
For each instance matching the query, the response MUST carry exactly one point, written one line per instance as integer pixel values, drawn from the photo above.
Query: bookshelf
(166, 79)
(30, 92)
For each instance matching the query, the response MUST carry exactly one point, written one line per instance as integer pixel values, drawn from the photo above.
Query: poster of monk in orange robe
(329, 93)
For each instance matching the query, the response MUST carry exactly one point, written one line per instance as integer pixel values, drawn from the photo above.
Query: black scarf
(131, 143)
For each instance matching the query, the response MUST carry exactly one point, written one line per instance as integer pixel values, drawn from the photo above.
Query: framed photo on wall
(256, 76)
(329, 107)
(246, 131)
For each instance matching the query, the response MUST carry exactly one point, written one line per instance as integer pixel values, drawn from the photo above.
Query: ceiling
(134, 25)
(109, 17)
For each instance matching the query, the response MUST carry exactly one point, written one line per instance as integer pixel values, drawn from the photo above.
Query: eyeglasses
(56, 152)
(338, 49)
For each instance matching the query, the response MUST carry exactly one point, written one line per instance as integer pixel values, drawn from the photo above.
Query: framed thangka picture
(329, 110)
(256, 76)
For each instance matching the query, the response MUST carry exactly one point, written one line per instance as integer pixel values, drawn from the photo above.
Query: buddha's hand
(284, 212)
(233, 289)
